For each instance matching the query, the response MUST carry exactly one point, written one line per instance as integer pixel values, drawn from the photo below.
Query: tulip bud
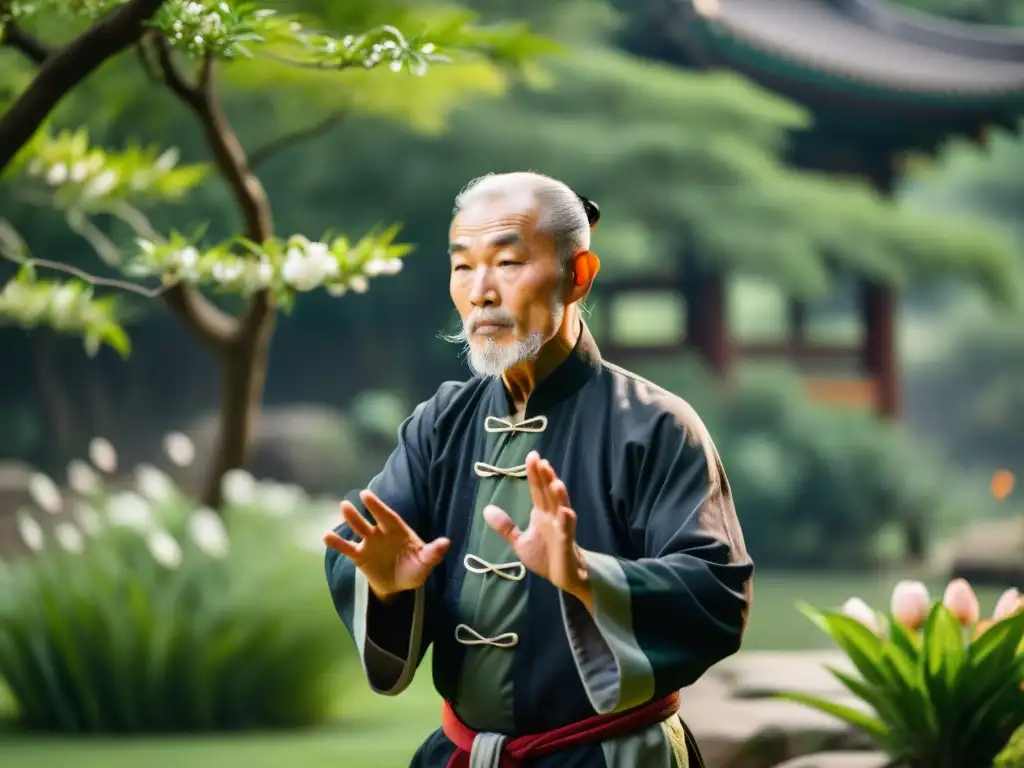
(962, 602)
(860, 611)
(1009, 603)
(910, 604)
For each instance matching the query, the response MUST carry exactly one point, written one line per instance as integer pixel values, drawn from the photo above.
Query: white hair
(562, 215)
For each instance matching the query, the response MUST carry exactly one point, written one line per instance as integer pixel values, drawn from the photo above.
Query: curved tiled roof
(873, 44)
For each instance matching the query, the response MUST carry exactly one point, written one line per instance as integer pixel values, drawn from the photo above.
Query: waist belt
(492, 750)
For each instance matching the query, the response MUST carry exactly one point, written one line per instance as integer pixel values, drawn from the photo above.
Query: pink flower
(962, 602)
(1008, 604)
(861, 612)
(910, 604)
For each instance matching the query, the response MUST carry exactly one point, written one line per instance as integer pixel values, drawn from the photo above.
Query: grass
(381, 732)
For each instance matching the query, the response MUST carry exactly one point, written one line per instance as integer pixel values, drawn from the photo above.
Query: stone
(738, 721)
(764, 674)
(313, 446)
(838, 760)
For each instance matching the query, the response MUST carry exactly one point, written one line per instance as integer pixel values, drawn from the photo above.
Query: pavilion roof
(868, 44)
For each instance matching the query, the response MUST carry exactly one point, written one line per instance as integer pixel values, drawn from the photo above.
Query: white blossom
(280, 500)
(238, 487)
(226, 272)
(69, 538)
(359, 284)
(861, 612)
(102, 184)
(183, 263)
(179, 449)
(57, 174)
(153, 483)
(164, 548)
(102, 455)
(305, 269)
(88, 518)
(208, 532)
(167, 160)
(44, 492)
(129, 510)
(30, 531)
(81, 478)
(62, 305)
(79, 172)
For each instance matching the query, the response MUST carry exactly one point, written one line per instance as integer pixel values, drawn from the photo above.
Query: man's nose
(483, 293)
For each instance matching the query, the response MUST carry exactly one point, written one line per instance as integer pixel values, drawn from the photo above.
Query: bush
(148, 615)
(816, 487)
(946, 689)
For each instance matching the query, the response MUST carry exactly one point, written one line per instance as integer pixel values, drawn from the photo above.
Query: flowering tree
(183, 46)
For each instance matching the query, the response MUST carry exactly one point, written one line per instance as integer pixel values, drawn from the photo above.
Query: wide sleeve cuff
(615, 671)
(387, 672)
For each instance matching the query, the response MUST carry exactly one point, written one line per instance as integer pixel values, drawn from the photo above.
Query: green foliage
(936, 700)
(681, 163)
(1013, 755)
(65, 172)
(149, 616)
(65, 306)
(286, 267)
(817, 487)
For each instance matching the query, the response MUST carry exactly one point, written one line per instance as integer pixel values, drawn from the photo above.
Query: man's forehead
(508, 212)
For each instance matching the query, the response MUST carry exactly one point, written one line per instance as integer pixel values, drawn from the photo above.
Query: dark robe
(670, 574)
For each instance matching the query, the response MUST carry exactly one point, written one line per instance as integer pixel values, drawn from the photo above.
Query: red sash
(519, 750)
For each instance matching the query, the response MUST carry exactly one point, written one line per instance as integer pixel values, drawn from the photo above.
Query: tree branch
(68, 67)
(205, 321)
(288, 140)
(85, 277)
(232, 163)
(29, 46)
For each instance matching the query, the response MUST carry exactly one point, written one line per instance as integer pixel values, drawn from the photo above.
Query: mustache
(499, 317)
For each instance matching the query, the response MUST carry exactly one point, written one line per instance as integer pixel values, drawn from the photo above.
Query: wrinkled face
(505, 283)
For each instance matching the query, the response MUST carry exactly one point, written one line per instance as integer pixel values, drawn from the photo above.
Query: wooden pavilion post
(878, 307)
(707, 328)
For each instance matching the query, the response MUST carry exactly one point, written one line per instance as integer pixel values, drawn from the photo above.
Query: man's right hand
(390, 554)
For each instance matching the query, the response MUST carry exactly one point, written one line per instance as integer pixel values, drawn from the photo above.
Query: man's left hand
(548, 545)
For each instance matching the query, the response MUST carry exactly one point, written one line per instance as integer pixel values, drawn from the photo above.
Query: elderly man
(560, 530)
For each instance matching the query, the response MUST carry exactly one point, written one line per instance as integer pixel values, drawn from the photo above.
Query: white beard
(488, 358)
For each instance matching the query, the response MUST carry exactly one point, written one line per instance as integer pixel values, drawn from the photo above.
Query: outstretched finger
(559, 494)
(536, 481)
(360, 525)
(567, 521)
(549, 478)
(349, 549)
(386, 518)
(503, 524)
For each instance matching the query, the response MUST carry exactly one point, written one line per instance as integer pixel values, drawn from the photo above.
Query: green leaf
(943, 656)
(863, 647)
(875, 728)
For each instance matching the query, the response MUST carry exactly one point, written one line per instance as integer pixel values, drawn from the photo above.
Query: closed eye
(508, 263)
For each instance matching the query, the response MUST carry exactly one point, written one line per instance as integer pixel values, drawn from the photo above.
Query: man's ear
(585, 267)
